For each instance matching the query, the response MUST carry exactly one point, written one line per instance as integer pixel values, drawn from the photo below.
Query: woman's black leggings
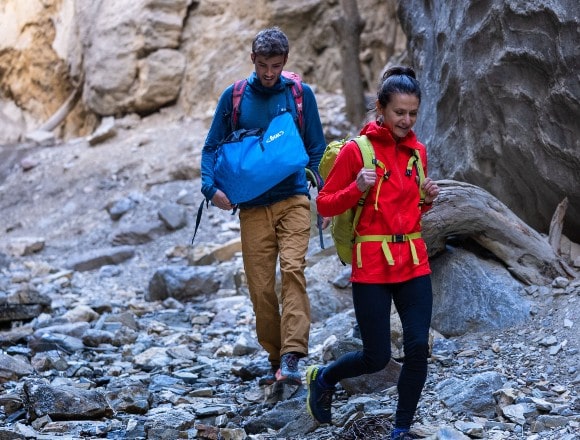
(372, 305)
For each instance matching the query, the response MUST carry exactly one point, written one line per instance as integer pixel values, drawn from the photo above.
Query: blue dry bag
(250, 162)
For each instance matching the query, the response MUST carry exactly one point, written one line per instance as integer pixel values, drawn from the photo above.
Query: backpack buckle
(398, 238)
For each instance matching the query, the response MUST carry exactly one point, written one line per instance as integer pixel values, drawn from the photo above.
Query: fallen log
(463, 210)
(60, 115)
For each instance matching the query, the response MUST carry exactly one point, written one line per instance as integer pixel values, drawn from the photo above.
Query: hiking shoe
(269, 378)
(319, 399)
(288, 372)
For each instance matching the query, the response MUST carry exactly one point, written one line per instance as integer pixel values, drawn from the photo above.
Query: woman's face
(400, 114)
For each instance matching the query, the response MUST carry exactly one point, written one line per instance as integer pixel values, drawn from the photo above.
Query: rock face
(140, 56)
(35, 48)
(501, 99)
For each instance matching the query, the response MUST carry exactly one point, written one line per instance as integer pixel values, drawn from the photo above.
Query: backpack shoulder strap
(297, 94)
(368, 156)
(237, 93)
(367, 151)
(415, 160)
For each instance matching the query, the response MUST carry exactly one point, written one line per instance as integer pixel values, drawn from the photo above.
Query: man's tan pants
(281, 229)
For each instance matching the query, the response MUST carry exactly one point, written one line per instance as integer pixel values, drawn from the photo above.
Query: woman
(395, 266)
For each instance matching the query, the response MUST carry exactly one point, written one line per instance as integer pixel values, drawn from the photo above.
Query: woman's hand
(220, 200)
(431, 190)
(365, 179)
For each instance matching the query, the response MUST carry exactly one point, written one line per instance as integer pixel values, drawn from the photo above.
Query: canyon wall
(501, 104)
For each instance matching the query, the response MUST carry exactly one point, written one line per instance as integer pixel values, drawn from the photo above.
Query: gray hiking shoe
(288, 372)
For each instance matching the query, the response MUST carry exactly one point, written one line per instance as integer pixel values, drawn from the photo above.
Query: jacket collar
(256, 85)
(382, 134)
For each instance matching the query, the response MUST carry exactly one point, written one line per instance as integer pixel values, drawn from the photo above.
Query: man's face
(268, 70)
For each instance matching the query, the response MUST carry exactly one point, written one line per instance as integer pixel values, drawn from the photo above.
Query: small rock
(105, 131)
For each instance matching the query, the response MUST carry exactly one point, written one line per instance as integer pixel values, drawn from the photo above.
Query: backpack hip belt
(385, 240)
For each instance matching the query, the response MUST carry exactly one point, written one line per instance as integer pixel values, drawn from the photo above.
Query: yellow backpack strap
(368, 156)
(415, 160)
(367, 151)
(370, 162)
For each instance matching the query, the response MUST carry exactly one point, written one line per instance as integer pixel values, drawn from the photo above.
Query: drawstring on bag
(200, 212)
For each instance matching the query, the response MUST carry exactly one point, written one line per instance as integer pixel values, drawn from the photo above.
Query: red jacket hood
(375, 131)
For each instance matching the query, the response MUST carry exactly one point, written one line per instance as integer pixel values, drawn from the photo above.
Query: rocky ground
(105, 355)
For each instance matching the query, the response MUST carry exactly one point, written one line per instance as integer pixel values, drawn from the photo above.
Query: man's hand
(220, 200)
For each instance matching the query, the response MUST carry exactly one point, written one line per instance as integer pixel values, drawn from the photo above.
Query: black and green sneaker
(319, 399)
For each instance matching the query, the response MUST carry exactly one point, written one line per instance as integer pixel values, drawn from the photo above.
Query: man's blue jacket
(259, 105)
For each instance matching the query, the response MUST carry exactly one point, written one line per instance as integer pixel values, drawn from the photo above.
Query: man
(275, 224)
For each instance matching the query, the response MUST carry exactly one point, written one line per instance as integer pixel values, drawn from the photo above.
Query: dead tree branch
(465, 210)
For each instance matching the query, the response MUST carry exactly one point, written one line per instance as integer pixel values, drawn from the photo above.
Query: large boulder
(472, 294)
(501, 99)
(131, 59)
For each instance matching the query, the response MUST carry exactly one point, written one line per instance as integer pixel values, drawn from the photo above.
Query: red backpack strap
(297, 93)
(237, 93)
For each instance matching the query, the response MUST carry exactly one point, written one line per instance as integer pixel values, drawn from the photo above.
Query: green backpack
(343, 226)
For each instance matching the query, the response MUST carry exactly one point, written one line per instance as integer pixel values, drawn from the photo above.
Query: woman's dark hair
(398, 79)
(271, 42)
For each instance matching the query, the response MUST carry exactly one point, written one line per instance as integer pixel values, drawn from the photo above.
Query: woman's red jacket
(397, 207)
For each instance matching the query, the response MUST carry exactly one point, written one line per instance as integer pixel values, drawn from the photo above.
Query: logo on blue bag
(273, 137)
